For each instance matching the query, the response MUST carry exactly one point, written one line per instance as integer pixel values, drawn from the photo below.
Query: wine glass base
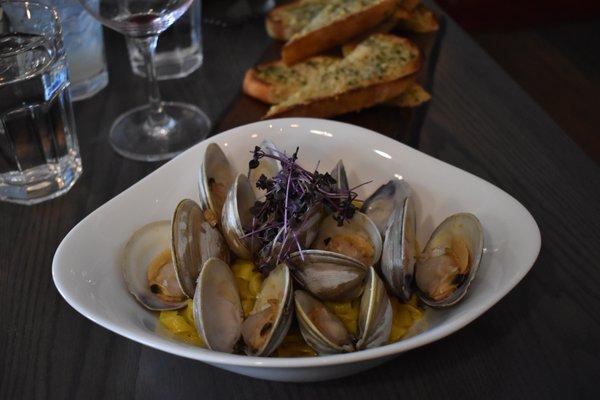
(133, 135)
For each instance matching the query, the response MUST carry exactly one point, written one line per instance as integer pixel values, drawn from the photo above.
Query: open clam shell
(450, 260)
(375, 315)
(268, 323)
(400, 250)
(322, 329)
(381, 204)
(149, 248)
(268, 167)
(328, 275)
(217, 308)
(236, 219)
(357, 238)
(214, 179)
(193, 241)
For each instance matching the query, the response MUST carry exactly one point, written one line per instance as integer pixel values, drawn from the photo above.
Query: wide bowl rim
(213, 357)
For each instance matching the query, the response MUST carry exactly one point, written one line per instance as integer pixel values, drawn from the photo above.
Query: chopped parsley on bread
(274, 82)
(338, 22)
(290, 19)
(378, 69)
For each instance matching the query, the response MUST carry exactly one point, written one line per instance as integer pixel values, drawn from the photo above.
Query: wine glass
(158, 130)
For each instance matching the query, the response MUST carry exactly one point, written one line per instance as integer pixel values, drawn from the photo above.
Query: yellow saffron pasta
(248, 280)
(181, 324)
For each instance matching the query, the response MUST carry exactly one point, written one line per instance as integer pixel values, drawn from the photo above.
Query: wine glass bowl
(137, 18)
(158, 130)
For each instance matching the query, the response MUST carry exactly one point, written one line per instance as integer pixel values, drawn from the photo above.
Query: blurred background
(551, 48)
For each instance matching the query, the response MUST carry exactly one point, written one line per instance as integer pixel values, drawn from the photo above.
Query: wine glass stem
(147, 47)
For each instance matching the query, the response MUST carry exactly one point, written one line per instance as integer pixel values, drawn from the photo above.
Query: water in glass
(39, 157)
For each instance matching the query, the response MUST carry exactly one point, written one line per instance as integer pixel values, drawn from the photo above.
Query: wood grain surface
(540, 341)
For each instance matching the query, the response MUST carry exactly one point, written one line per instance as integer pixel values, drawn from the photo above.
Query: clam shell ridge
(400, 250)
(375, 315)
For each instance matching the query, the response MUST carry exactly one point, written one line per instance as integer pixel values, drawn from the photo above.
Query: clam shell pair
(219, 316)
(438, 281)
(391, 209)
(181, 246)
(450, 260)
(325, 332)
(335, 272)
(229, 196)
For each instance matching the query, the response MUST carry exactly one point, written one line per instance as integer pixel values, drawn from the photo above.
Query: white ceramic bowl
(86, 267)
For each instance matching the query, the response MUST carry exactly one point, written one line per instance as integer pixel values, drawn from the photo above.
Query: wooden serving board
(403, 124)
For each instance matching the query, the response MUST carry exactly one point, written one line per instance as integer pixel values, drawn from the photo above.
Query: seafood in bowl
(280, 260)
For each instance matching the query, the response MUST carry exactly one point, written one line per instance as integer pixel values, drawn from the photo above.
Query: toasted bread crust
(422, 20)
(384, 26)
(273, 92)
(276, 27)
(358, 98)
(413, 96)
(255, 87)
(336, 33)
(353, 100)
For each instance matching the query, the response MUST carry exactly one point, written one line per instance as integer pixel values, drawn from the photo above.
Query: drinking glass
(84, 44)
(159, 130)
(179, 49)
(39, 156)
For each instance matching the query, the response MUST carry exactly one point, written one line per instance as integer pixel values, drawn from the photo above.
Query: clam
(214, 179)
(375, 315)
(322, 329)
(381, 204)
(339, 174)
(268, 167)
(304, 236)
(271, 317)
(328, 275)
(148, 268)
(162, 260)
(357, 238)
(400, 250)
(450, 260)
(309, 229)
(193, 241)
(217, 308)
(236, 219)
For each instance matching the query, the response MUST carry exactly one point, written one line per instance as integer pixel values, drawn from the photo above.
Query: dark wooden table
(541, 341)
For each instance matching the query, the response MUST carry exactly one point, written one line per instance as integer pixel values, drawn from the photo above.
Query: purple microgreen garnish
(291, 200)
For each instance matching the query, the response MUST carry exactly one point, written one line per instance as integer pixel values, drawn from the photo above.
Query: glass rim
(52, 29)
(47, 7)
(52, 11)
